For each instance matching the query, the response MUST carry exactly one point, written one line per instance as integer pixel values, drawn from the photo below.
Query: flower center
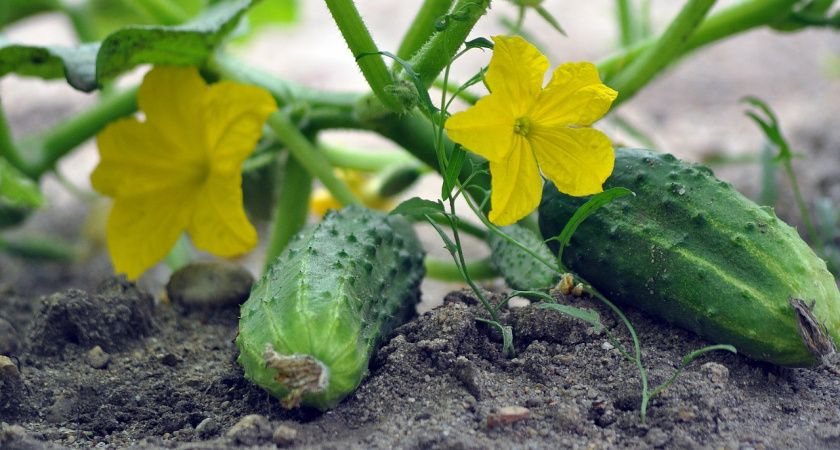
(522, 126)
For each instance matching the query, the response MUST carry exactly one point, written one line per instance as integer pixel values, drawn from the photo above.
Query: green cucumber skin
(338, 290)
(692, 250)
(520, 270)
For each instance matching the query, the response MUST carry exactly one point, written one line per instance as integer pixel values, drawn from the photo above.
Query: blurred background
(694, 110)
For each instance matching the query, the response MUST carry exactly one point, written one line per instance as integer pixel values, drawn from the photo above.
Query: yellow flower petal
(485, 129)
(136, 160)
(141, 230)
(574, 96)
(234, 115)
(219, 224)
(171, 97)
(577, 160)
(515, 73)
(516, 185)
(181, 168)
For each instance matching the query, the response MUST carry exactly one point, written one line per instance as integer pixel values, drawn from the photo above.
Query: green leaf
(585, 211)
(14, 10)
(16, 189)
(587, 315)
(453, 169)
(18, 195)
(88, 66)
(273, 12)
(418, 207)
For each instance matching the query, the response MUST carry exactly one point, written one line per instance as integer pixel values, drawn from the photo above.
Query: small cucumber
(314, 321)
(520, 269)
(690, 249)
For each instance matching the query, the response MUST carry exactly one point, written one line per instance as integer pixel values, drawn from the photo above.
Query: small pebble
(169, 359)
(98, 358)
(686, 414)
(715, 372)
(8, 370)
(252, 429)
(284, 436)
(508, 415)
(210, 285)
(207, 427)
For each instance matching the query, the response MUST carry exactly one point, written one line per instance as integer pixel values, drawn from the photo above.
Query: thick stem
(7, 145)
(40, 152)
(729, 22)
(415, 133)
(423, 27)
(292, 208)
(309, 157)
(430, 60)
(666, 49)
(360, 42)
(287, 93)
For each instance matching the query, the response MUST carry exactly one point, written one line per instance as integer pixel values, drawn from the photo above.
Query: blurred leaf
(88, 66)
(19, 194)
(111, 15)
(16, 189)
(273, 12)
(14, 10)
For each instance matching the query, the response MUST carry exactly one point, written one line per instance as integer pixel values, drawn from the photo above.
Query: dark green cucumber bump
(690, 249)
(314, 321)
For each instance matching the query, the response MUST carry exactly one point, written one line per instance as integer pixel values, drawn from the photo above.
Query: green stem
(7, 145)
(626, 22)
(466, 227)
(803, 209)
(308, 157)
(287, 93)
(40, 152)
(82, 22)
(729, 22)
(447, 270)
(415, 133)
(292, 208)
(365, 160)
(665, 50)
(430, 60)
(423, 27)
(40, 248)
(358, 38)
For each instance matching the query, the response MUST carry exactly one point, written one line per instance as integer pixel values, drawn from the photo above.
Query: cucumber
(520, 270)
(315, 320)
(690, 249)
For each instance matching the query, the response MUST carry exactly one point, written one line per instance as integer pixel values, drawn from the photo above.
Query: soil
(114, 368)
(95, 361)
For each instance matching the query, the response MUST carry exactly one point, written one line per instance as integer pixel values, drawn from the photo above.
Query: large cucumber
(313, 322)
(690, 249)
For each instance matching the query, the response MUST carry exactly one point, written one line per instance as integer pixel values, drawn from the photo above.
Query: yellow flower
(180, 169)
(322, 201)
(522, 128)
